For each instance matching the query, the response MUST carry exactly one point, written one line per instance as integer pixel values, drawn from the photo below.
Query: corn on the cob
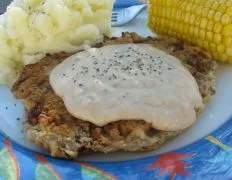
(205, 23)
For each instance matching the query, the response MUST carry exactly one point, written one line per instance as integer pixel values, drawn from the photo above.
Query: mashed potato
(31, 28)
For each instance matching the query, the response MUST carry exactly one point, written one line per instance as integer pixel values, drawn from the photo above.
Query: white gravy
(128, 82)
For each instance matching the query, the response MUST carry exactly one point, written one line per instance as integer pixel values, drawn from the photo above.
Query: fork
(124, 16)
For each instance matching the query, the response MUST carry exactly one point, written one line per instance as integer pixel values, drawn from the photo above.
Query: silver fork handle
(139, 7)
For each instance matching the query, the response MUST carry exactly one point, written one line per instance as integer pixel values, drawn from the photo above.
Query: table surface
(3, 5)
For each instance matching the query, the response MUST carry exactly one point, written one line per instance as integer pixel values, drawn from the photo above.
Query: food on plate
(129, 93)
(205, 23)
(31, 28)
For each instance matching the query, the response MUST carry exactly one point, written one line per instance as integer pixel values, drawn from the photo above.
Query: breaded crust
(53, 127)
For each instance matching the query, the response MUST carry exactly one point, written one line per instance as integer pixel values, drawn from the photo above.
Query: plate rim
(190, 158)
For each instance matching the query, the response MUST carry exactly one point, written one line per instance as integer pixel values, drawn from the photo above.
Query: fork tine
(114, 13)
(114, 19)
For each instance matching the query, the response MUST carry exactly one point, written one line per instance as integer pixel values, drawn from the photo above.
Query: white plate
(216, 113)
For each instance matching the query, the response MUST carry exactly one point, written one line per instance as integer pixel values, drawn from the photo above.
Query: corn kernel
(227, 41)
(209, 4)
(229, 59)
(162, 20)
(198, 1)
(157, 2)
(189, 7)
(209, 36)
(181, 27)
(210, 25)
(214, 55)
(211, 14)
(205, 12)
(217, 39)
(183, 36)
(217, 16)
(186, 29)
(229, 51)
(171, 24)
(194, 8)
(220, 49)
(191, 30)
(187, 18)
(203, 23)
(202, 34)
(203, 2)
(158, 10)
(222, 8)
(173, 12)
(227, 30)
(197, 21)
(176, 27)
(229, 3)
(223, 1)
(229, 11)
(192, 19)
(199, 42)
(205, 44)
(215, 6)
(169, 3)
(169, 32)
(226, 19)
(199, 10)
(154, 11)
(212, 47)
(178, 5)
(183, 6)
(178, 15)
(194, 40)
(195, 31)
(223, 57)
(217, 28)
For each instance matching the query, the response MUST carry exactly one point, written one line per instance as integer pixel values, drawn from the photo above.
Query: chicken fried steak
(51, 126)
